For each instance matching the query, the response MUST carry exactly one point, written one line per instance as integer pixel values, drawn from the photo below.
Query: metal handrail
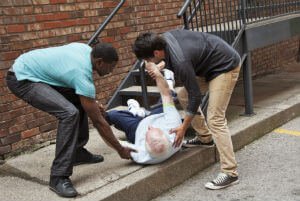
(232, 24)
(184, 8)
(94, 39)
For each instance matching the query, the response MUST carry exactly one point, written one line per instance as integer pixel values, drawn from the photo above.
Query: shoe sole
(221, 187)
(191, 146)
(81, 163)
(61, 195)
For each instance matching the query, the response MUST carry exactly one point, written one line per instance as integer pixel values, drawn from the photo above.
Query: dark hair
(146, 43)
(105, 51)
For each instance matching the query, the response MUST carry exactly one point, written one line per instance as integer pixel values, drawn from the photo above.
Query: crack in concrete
(108, 182)
(8, 170)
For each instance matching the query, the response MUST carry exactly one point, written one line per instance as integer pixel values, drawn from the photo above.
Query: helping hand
(125, 152)
(102, 108)
(153, 70)
(179, 132)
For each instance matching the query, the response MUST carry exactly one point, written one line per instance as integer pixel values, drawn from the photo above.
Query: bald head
(157, 144)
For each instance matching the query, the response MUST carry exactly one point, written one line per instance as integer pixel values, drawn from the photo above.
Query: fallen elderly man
(149, 134)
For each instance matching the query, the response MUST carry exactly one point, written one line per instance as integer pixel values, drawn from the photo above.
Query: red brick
(52, 25)
(9, 55)
(20, 145)
(29, 133)
(7, 124)
(17, 128)
(72, 38)
(15, 28)
(82, 21)
(12, 114)
(50, 8)
(37, 122)
(10, 139)
(52, 16)
(4, 132)
(57, 1)
(5, 107)
(124, 30)
(6, 3)
(108, 39)
(48, 127)
(109, 4)
(67, 7)
(5, 149)
(38, 2)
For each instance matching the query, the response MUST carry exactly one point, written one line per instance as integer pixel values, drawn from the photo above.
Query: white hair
(157, 144)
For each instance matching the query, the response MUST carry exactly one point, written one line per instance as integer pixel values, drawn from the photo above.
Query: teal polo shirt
(64, 66)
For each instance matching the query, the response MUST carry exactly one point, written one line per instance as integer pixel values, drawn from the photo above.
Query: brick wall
(275, 57)
(32, 24)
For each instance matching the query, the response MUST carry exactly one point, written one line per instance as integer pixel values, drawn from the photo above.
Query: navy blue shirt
(190, 54)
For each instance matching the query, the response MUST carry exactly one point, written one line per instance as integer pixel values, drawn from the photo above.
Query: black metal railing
(256, 10)
(221, 18)
(227, 19)
(94, 38)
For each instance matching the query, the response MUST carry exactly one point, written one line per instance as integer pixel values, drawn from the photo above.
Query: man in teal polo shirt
(59, 81)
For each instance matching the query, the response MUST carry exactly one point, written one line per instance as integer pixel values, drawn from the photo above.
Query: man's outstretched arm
(93, 111)
(161, 83)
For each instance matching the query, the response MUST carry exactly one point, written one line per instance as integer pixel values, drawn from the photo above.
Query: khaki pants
(220, 90)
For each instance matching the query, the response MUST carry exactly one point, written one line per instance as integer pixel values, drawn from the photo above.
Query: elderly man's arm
(161, 83)
(91, 108)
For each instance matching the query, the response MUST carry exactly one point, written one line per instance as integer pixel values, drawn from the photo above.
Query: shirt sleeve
(171, 115)
(84, 85)
(187, 76)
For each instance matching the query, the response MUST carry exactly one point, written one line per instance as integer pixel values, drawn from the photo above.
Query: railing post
(185, 21)
(248, 90)
(94, 37)
(243, 11)
(144, 86)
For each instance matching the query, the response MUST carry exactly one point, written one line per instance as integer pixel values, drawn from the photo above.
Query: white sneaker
(135, 109)
(222, 181)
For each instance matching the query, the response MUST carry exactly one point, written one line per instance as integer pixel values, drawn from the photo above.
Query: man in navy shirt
(190, 55)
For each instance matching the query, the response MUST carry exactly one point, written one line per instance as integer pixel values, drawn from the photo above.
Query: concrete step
(137, 91)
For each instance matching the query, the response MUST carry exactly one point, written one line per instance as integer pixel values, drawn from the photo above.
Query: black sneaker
(196, 142)
(62, 186)
(222, 181)
(83, 156)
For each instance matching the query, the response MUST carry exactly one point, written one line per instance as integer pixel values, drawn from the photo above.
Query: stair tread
(123, 107)
(136, 88)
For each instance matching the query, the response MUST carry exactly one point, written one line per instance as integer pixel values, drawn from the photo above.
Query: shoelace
(193, 141)
(220, 178)
(67, 183)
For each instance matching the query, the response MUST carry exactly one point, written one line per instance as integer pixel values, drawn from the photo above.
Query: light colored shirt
(167, 120)
(65, 66)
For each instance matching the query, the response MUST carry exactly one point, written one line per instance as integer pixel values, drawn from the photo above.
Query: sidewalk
(276, 101)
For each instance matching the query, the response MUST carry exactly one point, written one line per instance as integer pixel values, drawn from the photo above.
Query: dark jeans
(125, 121)
(64, 104)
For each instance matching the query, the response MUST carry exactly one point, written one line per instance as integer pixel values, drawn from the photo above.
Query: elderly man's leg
(203, 134)
(124, 121)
